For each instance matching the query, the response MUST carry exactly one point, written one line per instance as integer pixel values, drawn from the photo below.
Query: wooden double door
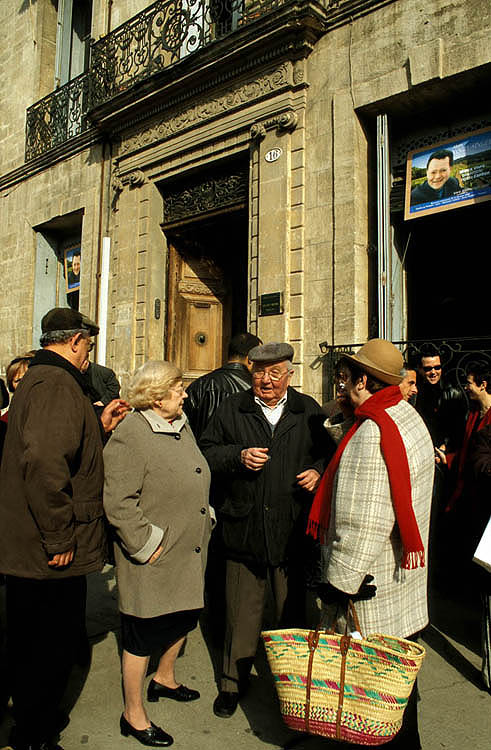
(207, 295)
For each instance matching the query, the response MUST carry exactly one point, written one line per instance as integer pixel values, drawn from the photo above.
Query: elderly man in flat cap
(371, 511)
(51, 521)
(266, 450)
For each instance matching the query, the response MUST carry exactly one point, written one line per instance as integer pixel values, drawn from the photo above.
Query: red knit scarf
(395, 457)
(472, 424)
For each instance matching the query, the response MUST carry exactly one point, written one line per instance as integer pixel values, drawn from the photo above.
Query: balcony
(58, 117)
(159, 45)
(164, 34)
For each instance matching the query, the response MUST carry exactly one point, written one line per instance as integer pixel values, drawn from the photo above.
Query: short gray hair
(151, 382)
(61, 337)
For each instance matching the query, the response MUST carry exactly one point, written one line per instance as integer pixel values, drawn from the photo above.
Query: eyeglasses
(433, 367)
(274, 375)
(90, 344)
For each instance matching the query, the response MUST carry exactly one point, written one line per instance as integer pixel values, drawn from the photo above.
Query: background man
(206, 393)
(51, 521)
(102, 380)
(409, 387)
(441, 405)
(372, 509)
(266, 447)
(438, 184)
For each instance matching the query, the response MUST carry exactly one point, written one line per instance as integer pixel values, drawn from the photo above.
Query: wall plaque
(273, 154)
(271, 304)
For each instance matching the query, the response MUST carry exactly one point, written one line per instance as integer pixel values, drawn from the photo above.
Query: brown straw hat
(381, 359)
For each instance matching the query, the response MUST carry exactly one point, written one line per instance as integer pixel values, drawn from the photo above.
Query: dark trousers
(45, 627)
(245, 596)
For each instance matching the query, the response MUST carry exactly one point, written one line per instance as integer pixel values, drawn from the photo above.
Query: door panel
(198, 314)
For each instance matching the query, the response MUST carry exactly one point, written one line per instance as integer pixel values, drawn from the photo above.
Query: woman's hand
(155, 555)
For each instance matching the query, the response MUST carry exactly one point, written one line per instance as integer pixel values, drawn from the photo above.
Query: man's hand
(62, 559)
(114, 413)
(308, 479)
(254, 458)
(440, 456)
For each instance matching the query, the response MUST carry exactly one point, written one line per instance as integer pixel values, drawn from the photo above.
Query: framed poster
(73, 259)
(449, 174)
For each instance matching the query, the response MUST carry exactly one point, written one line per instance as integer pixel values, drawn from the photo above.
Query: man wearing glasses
(51, 522)
(442, 407)
(266, 449)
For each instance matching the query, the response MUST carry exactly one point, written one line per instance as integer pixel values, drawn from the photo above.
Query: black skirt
(143, 636)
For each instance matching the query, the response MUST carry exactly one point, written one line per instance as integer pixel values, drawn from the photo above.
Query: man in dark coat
(103, 382)
(206, 393)
(266, 448)
(51, 522)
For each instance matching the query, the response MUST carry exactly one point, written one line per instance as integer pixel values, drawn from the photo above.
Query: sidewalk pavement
(454, 712)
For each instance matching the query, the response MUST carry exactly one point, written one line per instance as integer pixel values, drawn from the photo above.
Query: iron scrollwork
(208, 195)
(58, 117)
(456, 355)
(164, 34)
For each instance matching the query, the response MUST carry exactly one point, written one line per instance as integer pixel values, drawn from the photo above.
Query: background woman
(156, 498)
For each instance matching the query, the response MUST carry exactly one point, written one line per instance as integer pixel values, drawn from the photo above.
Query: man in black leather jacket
(442, 406)
(207, 393)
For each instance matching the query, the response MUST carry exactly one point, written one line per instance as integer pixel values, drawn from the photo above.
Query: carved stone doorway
(207, 291)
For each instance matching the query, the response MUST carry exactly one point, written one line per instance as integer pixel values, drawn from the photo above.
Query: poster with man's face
(449, 174)
(73, 258)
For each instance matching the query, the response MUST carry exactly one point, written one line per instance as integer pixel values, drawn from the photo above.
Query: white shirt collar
(159, 424)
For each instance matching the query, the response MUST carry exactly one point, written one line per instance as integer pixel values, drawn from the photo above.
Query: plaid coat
(363, 534)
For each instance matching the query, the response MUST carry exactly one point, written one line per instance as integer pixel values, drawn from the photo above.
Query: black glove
(331, 595)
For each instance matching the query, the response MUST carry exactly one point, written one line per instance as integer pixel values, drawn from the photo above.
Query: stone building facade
(220, 166)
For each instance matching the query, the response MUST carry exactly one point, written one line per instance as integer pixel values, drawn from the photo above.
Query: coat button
(197, 549)
(198, 470)
(203, 511)
(177, 437)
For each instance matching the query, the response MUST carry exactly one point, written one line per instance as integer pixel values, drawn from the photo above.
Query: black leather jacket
(443, 408)
(207, 393)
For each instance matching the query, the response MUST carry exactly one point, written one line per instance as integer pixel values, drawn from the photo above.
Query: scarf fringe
(413, 560)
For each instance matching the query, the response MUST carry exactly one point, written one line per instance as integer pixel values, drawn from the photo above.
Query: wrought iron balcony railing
(456, 354)
(58, 117)
(163, 34)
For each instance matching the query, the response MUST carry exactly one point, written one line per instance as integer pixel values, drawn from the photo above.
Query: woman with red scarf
(372, 508)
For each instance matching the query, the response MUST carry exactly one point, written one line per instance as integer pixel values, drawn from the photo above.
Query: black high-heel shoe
(182, 693)
(152, 736)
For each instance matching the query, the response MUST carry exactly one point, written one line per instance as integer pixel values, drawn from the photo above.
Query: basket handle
(313, 642)
(350, 612)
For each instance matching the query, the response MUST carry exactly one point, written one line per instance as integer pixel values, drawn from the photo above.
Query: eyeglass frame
(259, 374)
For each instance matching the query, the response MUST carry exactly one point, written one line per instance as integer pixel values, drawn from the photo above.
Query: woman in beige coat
(156, 498)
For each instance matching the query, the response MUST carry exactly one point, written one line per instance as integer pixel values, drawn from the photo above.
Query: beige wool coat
(363, 534)
(156, 492)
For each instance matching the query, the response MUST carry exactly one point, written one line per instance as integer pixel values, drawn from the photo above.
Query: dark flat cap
(66, 319)
(274, 352)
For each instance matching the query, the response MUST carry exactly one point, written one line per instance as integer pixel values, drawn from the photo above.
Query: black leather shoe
(225, 704)
(152, 736)
(181, 693)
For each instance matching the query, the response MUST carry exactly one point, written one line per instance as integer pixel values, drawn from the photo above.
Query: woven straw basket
(335, 686)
